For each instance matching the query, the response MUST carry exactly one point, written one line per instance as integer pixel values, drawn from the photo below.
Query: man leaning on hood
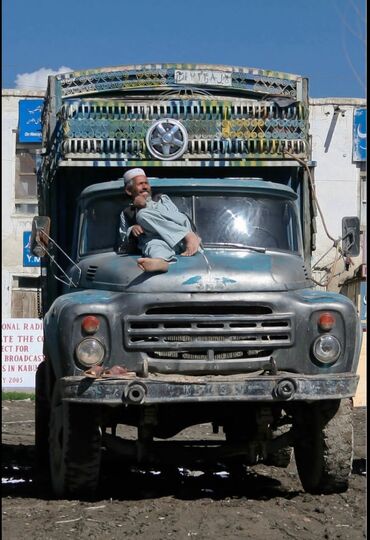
(161, 230)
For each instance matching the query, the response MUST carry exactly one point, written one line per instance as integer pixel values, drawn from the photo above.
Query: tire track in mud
(257, 503)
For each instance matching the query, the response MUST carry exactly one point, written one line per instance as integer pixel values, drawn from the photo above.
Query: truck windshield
(266, 222)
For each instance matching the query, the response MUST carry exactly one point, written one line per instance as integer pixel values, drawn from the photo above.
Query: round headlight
(326, 349)
(90, 352)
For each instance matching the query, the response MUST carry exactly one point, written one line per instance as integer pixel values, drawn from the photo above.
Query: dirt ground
(267, 503)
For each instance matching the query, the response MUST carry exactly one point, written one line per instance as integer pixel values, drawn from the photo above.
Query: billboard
(359, 135)
(28, 258)
(21, 351)
(29, 122)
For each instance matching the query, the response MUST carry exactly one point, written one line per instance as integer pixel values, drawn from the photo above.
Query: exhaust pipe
(136, 393)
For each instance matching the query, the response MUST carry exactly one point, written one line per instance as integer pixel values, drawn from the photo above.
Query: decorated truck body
(236, 335)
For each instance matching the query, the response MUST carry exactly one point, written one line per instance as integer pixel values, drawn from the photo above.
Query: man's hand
(140, 201)
(137, 230)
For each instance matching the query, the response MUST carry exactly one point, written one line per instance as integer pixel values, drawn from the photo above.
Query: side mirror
(40, 235)
(351, 236)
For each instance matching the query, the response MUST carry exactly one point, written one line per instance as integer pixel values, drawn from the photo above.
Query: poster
(21, 352)
(29, 128)
(28, 258)
(359, 135)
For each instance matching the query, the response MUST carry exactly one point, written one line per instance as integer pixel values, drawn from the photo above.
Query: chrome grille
(161, 332)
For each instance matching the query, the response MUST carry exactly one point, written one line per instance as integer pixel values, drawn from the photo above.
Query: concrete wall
(13, 224)
(337, 176)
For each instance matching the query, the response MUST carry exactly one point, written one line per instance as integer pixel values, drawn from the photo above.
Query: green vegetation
(12, 396)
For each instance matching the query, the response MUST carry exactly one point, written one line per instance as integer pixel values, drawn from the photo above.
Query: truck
(236, 336)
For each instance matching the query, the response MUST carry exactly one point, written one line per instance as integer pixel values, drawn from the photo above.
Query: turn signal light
(90, 324)
(326, 321)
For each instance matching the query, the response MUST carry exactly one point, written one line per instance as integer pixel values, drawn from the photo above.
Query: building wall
(13, 224)
(337, 177)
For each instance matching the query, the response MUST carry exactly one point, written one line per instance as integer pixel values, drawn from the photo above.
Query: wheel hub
(167, 139)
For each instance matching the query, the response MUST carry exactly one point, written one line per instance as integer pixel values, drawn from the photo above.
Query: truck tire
(42, 416)
(323, 447)
(75, 448)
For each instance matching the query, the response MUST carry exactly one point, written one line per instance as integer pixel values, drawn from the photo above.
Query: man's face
(140, 186)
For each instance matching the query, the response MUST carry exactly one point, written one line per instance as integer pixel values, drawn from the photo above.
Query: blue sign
(29, 124)
(359, 135)
(28, 258)
(363, 306)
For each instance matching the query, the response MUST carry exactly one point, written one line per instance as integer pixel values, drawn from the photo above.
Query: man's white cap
(130, 174)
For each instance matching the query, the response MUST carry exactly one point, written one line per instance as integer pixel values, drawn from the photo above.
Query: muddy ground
(267, 503)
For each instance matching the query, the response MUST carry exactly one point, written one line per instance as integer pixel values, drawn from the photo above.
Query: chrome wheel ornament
(167, 139)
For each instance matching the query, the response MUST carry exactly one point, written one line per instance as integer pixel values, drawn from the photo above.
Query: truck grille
(180, 332)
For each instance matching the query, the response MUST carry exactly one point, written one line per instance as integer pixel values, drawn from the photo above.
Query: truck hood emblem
(209, 282)
(167, 139)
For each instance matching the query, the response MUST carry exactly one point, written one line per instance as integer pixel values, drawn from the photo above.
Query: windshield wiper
(232, 245)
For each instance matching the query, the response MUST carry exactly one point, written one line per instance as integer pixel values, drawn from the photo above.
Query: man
(160, 229)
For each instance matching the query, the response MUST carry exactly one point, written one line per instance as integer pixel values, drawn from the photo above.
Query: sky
(323, 40)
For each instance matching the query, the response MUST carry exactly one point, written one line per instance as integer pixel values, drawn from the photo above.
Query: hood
(217, 270)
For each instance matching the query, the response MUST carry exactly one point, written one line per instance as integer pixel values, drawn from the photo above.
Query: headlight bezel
(79, 354)
(323, 359)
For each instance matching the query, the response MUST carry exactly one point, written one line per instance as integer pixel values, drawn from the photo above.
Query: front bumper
(211, 388)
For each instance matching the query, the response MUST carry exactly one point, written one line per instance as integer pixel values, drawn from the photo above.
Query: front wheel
(42, 416)
(323, 447)
(75, 448)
